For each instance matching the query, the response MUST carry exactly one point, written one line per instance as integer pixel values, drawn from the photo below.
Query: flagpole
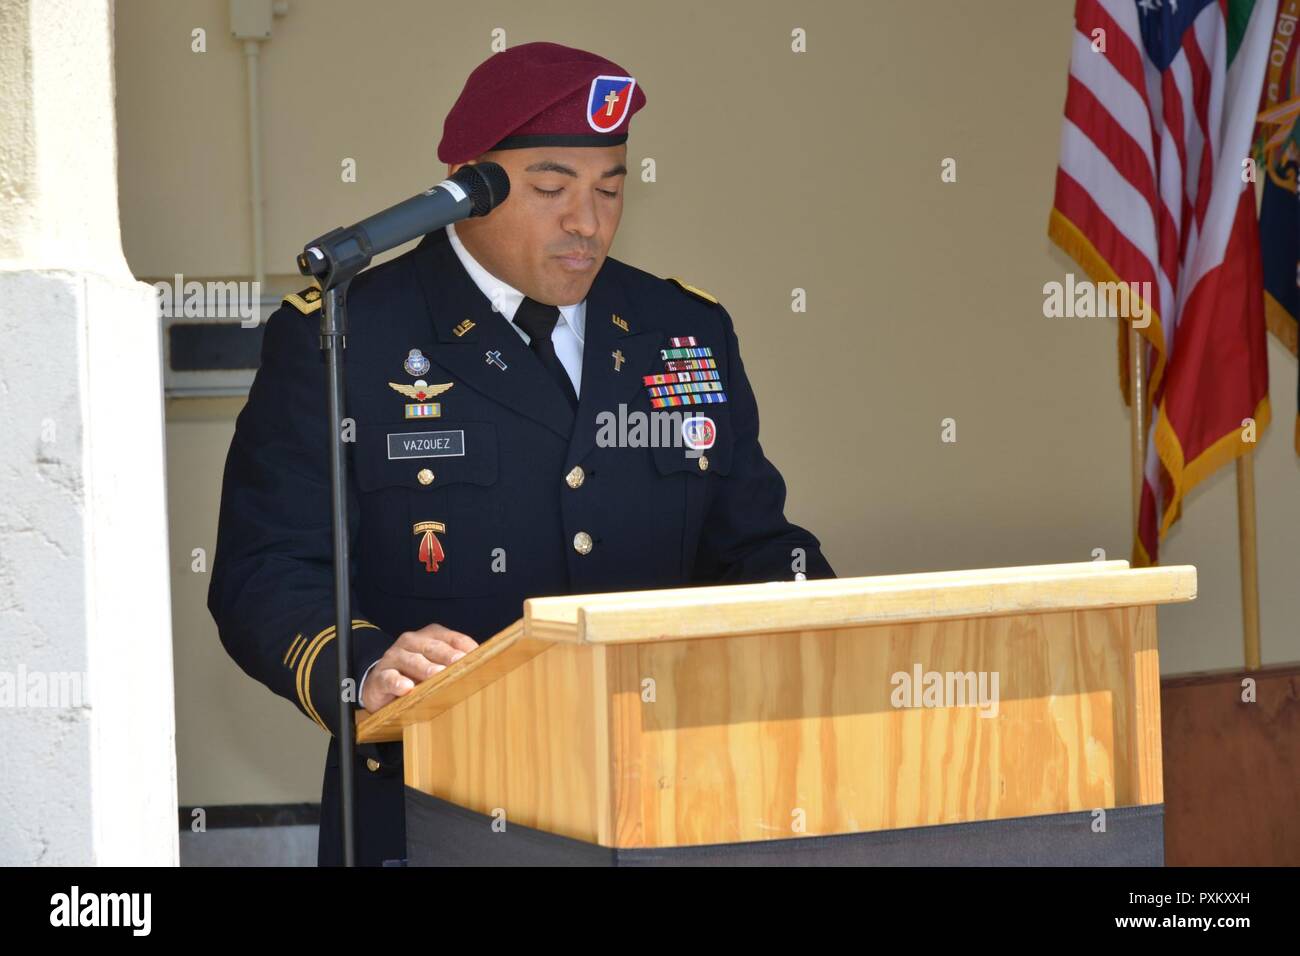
(1249, 559)
(1136, 425)
(1247, 540)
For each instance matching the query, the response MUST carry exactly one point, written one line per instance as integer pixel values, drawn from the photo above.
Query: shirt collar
(505, 298)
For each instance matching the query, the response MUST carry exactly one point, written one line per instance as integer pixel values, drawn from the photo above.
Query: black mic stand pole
(334, 260)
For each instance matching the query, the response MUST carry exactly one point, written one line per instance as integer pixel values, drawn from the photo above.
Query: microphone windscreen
(487, 185)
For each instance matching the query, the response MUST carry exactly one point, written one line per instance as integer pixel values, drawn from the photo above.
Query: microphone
(474, 190)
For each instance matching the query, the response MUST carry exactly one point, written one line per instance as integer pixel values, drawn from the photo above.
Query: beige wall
(775, 171)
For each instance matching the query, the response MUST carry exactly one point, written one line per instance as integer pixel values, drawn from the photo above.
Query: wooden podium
(981, 716)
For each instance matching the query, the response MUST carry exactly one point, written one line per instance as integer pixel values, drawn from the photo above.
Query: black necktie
(539, 322)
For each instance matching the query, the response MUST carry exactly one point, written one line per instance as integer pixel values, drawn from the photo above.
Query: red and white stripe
(1150, 164)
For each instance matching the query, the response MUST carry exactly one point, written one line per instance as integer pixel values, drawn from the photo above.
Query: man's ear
(451, 170)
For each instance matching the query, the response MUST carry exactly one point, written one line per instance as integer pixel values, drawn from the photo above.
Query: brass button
(582, 542)
(372, 764)
(704, 463)
(424, 476)
(575, 478)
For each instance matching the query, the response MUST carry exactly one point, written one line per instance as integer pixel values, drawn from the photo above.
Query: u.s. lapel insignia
(461, 329)
(416, 364)
(494, 358)
(431, 553)
(421, 392)
(619, 321)
(617, 355)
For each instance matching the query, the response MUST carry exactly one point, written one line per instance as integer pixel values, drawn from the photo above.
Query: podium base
(439, 833)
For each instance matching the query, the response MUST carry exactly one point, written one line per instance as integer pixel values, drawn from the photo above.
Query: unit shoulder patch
(697, 292)
(307, 301)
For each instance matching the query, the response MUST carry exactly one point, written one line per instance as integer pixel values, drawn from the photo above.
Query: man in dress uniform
(504, 378)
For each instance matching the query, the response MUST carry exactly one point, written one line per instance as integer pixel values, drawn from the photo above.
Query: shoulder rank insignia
(307, 301)
(699, 293)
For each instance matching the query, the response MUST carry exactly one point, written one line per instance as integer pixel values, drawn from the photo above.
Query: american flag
(1154, 186)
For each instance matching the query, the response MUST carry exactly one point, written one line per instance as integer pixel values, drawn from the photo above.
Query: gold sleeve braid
(307, 659)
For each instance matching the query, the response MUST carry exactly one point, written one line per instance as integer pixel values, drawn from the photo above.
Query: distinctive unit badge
(416, 364)
(608, 102)
(431, 553)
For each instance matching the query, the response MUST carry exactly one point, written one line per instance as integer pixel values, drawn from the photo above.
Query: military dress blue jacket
(465, 502)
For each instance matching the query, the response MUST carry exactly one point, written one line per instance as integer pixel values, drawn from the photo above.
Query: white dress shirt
(569, 332)
(567, 337)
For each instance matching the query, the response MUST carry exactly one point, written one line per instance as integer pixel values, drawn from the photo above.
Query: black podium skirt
(439, 833)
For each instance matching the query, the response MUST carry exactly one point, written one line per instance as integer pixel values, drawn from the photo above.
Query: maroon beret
(540, 94)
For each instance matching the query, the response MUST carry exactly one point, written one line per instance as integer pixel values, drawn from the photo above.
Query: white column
(87, 755)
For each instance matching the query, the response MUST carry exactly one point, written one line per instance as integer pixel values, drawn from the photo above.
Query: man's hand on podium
(414, 656)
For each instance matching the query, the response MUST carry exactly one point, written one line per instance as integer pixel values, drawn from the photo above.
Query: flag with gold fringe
(1151, 189)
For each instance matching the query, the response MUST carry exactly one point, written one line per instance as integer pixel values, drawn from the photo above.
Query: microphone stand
(334, 260)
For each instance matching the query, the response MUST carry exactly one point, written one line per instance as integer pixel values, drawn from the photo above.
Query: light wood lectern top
(722, 715)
